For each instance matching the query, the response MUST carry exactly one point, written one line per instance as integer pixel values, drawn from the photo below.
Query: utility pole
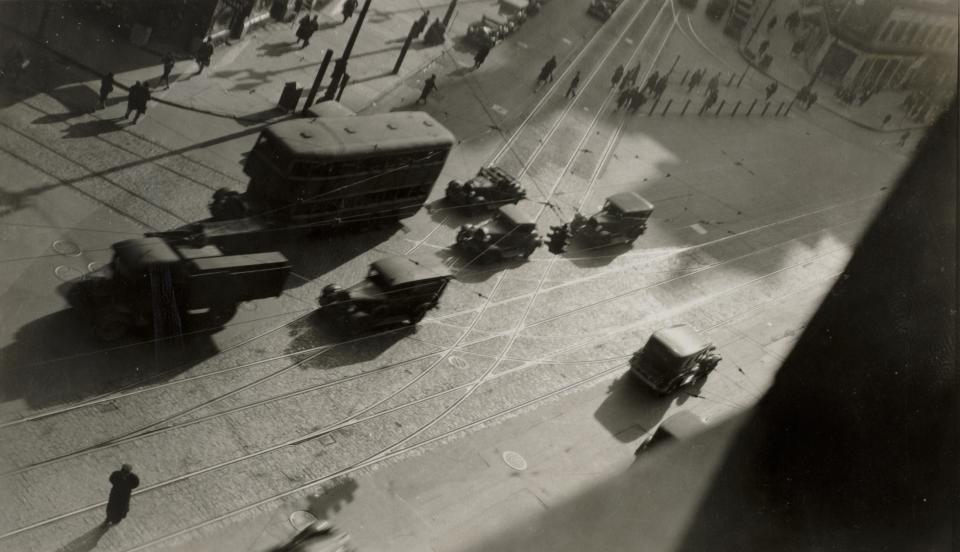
(757, 26)
(449, 14)
(319, 79)
(403, 50)
(340, 66)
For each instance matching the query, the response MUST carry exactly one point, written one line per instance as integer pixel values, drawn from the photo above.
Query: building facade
(888, 44)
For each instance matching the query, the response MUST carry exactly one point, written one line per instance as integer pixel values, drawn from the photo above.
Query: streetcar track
(436, 319)
(391, 454)
(514, 333)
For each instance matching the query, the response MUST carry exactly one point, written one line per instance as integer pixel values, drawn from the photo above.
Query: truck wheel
(110, 325)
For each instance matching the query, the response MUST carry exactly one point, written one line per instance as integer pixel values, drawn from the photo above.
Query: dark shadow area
(630, 409)
(87, 129)
(87, 541)
(380, 51)
(443, 212)
(331, 498)
(462, 45)
(368, 78)
(56, 359)
(261, 117)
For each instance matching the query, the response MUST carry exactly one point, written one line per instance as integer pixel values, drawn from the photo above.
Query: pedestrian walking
(204, 53)
(132, 96)
(903, 139)
(763, 46)
(661, 86)
(811, 99)
(429, 86)
(349, 7)
(711, 99)
(140, 101)
(302, 27)
(792, 19)
(420, 24)
(546, 72)
(106, 87)
(623, 99)
(695, 79)
(771, 90)
(714, 83)
(572, 90)
(122, 484)
(480, 56)
(886, 120)
(772, 23)
(802, 94)
(168, 63)
(617, 76)
(651, 83)
(312, 26)
(637, 99)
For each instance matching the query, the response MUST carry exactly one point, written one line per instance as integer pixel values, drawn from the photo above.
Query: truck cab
(396, 290)
(674, 358)
(150, 281)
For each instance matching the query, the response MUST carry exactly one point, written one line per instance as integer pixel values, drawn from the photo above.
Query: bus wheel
(110, 325)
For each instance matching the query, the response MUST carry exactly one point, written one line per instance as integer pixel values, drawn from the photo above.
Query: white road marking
(567, 41)
(628, 41)
(499, 109)
(522, 44)
(698, 229)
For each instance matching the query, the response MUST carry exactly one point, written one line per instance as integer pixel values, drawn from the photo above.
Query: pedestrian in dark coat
(480, 56)
(772, 23)
(429, 86)
(168, 63)
(302, 28)
(763, 47)
(771, 90)
(811, 99)
(106, 87)
(711, 99)
(546, 72)
(624, 98)
(311, 28)
(140, 101)
(695, 79)
(123, 482)
(661, 86)
(617, 75)
(714, 83)
(349, 7)
(651, 81)
(421, 24)
(637, 99)
(204, 53)
(132, 97)
(572, 90)
(903, 139)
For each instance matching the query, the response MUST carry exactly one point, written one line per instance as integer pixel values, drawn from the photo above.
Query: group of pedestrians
(305, 29)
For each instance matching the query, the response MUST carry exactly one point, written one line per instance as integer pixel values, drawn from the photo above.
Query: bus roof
(334, 137)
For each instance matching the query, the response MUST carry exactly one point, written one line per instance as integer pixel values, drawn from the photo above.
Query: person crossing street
(204, 53)
(429, 86)
(546, 73)
(349, 6)
(572, 90)
(106, 87)
(122, 484)
(617, 76)
(480, 56)
(168, 63)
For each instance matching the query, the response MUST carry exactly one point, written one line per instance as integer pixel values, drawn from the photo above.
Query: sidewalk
(246, 77)
(790, 73)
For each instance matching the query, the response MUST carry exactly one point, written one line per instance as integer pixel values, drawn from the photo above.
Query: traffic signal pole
(340, 66)
(321, 72)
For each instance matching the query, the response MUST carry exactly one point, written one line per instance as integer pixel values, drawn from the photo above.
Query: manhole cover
(65, 247)
(67, 273)
(301, 518)
(514, 460)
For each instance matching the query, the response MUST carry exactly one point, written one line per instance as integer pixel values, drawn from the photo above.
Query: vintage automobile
(515, 11)
(510, 234)
(319, 536)
(621, 219)
(396, 290)
(490, 188)
(603, 9)
(487, 32)
(678, 426)
(674, 358)
(167, 287)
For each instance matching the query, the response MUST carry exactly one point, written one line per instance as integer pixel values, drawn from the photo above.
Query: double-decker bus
(331, 171)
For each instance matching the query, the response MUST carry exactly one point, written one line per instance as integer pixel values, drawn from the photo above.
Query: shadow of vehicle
(630, 409)
(55, 359)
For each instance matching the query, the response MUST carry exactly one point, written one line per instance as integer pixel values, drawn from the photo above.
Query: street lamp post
(340, 66)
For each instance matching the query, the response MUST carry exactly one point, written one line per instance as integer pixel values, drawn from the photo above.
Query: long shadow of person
(87, 541)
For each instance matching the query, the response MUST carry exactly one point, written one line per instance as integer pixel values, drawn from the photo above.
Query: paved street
(231, 432)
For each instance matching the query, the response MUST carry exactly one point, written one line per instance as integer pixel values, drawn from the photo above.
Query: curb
(825, 107)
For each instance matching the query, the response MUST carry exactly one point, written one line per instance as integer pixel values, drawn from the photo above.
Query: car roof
(630, 202)
(332, 137)
(683, 424)
(514, 215)
(397, 271)
(138, 253)
(681, 340)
